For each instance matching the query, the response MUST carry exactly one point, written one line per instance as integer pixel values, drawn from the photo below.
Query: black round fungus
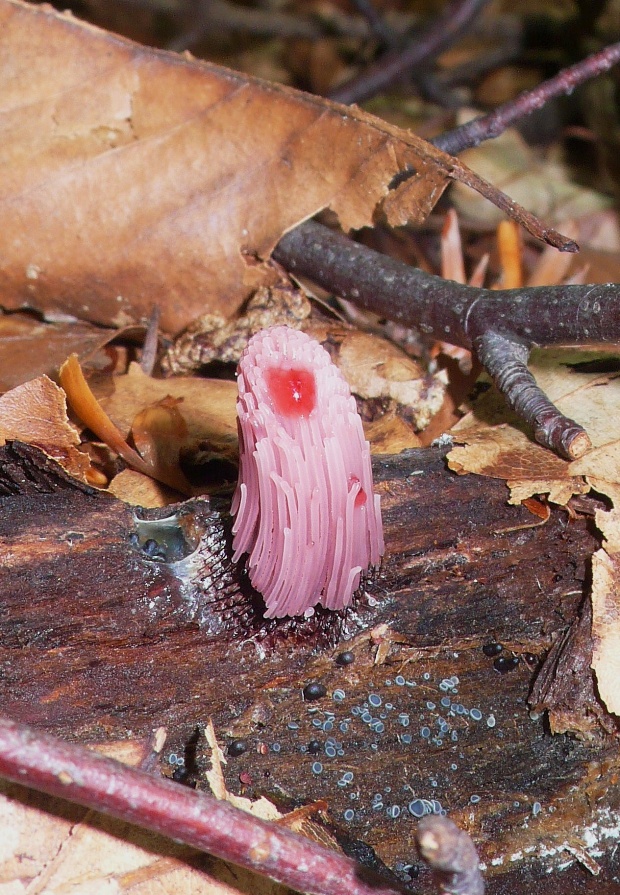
(314, 690)
(237, 747)
(504, 664)
(347, 658)
(492, 649)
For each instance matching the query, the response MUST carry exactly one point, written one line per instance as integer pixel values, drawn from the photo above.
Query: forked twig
(501, 326)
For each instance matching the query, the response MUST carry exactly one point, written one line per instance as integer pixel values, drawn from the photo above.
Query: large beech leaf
(131, 177)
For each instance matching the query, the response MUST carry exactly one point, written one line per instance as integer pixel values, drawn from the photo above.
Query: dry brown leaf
(143, 178)
(390, 434)
(36, 412)
(132, 177)
(507, 453)
(70, 849)
(158, 432)
(606, 625)
(31, 347)
(208, 406)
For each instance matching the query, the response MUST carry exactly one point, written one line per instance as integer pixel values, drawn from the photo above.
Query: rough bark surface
(97, 640)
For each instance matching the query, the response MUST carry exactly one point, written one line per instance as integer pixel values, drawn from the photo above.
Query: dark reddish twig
(376, 22)
(393, 66)
(71, 772)
(501, 326)
(451, 855)
(492, 125)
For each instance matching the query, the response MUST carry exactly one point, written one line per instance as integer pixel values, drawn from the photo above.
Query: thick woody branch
(462, 315)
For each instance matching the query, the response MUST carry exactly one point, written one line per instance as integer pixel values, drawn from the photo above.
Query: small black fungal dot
(504, 664)
(182, 775)
(236, 748)
(313, 691)
(346, 658)
(530, 658)
(313, 747)
(492, 648)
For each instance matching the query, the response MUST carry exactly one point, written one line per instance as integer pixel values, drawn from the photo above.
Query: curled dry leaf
(92, 415)
(32, 347)
(507, 453)
(606, 626)
(36, 413)
(132, 177)
(207, 406)
(495, 446)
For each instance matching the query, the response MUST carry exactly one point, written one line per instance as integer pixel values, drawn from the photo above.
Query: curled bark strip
(71, 772)
(464, 316)
(505, 359)
(451, 855)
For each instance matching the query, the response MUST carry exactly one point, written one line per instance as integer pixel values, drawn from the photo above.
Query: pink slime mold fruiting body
(304, 505)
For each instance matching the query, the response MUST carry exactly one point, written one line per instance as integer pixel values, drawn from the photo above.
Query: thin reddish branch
(492, 125)
(423, 47)
(71, 772)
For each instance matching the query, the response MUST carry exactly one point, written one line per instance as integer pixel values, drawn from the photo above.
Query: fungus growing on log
(304, 504)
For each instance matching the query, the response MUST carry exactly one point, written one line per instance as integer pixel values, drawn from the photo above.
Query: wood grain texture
(97, 640)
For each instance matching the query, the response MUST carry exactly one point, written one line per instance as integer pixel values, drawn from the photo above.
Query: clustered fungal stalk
(305, 511)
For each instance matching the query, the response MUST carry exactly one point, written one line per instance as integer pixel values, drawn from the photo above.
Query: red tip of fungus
(304, 506)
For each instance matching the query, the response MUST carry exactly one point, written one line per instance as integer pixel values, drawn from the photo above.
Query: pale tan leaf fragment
(208, 406)
(606, 626)
(36, 413)
(140, 490)
(92, 415)
(608, 522)
(260, 807)
(506, 453)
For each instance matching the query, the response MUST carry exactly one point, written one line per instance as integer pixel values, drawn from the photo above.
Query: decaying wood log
(114, 621)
